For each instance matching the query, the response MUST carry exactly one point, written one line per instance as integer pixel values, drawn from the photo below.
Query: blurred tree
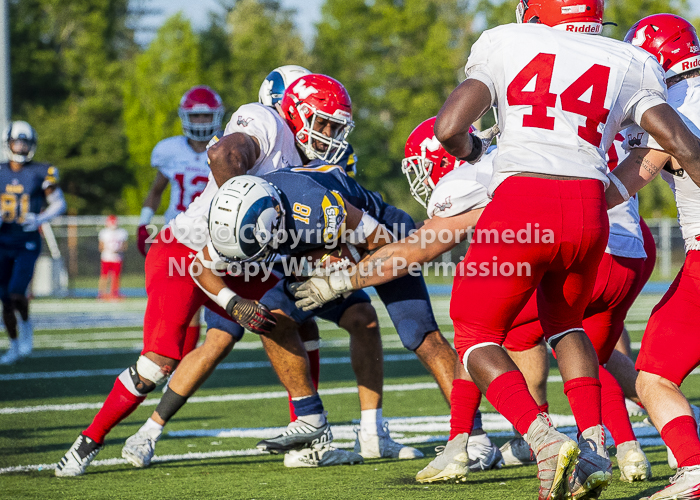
(153, 87)
(67, 58)
(399, 61)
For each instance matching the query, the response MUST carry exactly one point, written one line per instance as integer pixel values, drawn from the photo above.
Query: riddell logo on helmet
(592, 28)
(692, 64)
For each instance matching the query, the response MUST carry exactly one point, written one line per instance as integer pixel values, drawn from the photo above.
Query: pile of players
(277, 185)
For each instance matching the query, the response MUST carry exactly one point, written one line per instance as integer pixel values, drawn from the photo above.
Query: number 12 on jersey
(541, 67)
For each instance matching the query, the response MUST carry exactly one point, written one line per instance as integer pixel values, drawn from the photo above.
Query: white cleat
(382, 446)
(517, 452)
(12, 355)
(450, 464)
(78, 457)
(685, 485)
(483, 454)
(633, 409)
(139, 449)
(632, 462)
(26, 337)
(324, 456)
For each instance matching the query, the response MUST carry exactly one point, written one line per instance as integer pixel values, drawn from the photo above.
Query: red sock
(119, 404)
(315, 368)
(464, 401)
(613, 409)
(544, 408)
(511, 398)
(681, 435)
(584, 399)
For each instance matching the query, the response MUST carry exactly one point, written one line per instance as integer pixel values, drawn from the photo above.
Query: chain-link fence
(73, 263)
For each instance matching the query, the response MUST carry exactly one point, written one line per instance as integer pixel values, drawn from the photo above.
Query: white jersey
(561, 97)
(626, 238)
(462, 190)
(186, 170)
(113, 240)
(466, 188)
(277, 150)
(684, 97)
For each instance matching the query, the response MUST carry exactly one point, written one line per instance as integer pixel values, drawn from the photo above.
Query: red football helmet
(579, 16)
(426, 161)
(201, 100)
(669, 38)
(318, 110)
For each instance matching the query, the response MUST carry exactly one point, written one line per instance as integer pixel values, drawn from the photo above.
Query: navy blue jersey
(22, 192)
(349, 161)
(314, 198)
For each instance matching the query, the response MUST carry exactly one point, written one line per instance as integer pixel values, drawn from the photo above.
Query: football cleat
(556, 457)
(450, 464)
(324, 456)
(139, 449)
(593, 472)
(298, 435)
(483, 454)
(633, 409)
(78, 457)
(685, 485)
(517, 452)
(381, 445)
(672, 462)
(632, 462)
(12, 355)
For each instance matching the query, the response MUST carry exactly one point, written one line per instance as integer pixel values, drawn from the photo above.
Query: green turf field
(208, 450)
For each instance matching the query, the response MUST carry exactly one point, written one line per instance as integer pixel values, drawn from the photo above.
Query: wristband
(477, 146)
(366, 227)
(146, 216)
(340, 282)
(224, 297)
(620, 186)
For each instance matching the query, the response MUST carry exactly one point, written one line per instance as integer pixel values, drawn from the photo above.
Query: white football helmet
(20, 134)
(276, 83)
(246, 219)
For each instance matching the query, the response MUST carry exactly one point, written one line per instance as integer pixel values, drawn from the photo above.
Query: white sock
(480, 439)
(152, 428)
(316, 420)
(371, 422)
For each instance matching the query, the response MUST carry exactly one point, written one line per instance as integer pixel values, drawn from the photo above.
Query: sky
(308, 13)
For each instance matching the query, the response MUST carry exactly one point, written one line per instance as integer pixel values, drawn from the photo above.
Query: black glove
(251, 315)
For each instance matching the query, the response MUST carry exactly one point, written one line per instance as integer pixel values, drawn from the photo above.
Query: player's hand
(251, 315)
(30, 223)
(320, 290)
(486, 137)
(142, 236)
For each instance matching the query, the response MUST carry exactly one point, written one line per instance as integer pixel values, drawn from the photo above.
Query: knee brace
(149, 370)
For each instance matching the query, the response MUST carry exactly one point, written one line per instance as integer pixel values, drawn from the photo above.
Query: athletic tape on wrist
(366, 227)
(224, 297)
(620, 186)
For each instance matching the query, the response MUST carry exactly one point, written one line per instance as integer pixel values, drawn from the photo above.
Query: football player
(25, 188)
(453, 198)
(669, 349)
(549, 181)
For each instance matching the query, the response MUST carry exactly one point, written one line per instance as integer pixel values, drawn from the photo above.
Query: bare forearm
(467, 103)
(636, 171)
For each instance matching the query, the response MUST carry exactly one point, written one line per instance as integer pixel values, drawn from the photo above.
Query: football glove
(481, 142)
(320, 290)
(251, 315)
(30, 222)
(142, 236)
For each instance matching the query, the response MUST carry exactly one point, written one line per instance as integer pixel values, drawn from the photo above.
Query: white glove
(30, 222)
(320, 290)
(486, 137)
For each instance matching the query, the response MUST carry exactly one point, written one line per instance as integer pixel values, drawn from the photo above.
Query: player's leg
(22, 273)
(669, 352)
(102, 281)
(308, 331)
(116, 276)
(7, 262)
(173, 298)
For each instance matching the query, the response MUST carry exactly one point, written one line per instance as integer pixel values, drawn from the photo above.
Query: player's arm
(150, 205)
(636, 171)
(671, 133)
(234, 154)
(56, 205)
(250, 314)
(465, 105)
(388, 262)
